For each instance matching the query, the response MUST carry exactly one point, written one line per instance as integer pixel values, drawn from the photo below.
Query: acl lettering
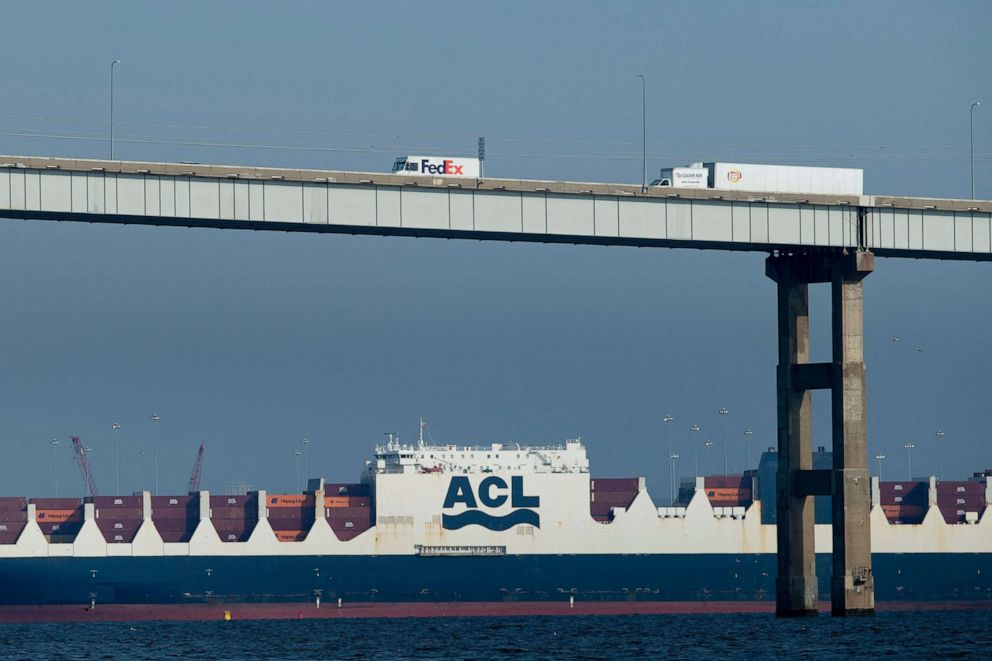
(492, 493)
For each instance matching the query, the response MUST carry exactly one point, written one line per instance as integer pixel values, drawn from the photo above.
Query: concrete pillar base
(796, 596)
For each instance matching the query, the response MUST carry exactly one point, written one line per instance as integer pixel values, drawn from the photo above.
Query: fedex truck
(765, 178)
(437, 166)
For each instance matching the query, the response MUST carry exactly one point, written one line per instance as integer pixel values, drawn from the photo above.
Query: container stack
(60, 519)
(904, 502)
(291, 515)
(176, 517)
(729, 490)
(234, 517)
(348, 509)
(605, 494)
(956, 499)
(118, 517)
(13, 518)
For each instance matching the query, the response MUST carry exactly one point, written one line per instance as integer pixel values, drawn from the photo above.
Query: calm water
(914, 635)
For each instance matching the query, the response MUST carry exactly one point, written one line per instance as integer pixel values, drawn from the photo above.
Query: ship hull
(649, 577)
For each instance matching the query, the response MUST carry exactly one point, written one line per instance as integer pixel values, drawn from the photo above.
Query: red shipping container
(120, 514)
(174, 502)
(233, 501)
(961, 487)
(9, 536)
(273, 501)
(64, 528)
(345, 535)
(347, 490)
(348, 512)
(727, 482)
(614, 498)
(904, 513)
(12, 516)
(174, 524)
(174, 537)
(13, 503)
(117, 501)
(728, 495)
(629, 484)
(56, 503)
(969, 502)
(218, 513)
(58, 515)
(290, 524)
(346, 501)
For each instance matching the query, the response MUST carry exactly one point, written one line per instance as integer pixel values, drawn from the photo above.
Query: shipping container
(727, 482)
(119, 513)
(162, 503)
(234, 501)
(63, 528)
(628, 484)
(973, 488)
(345, 535)
(56, 503)
(13, 516)
(291, 524)
(346, 512)
(58, 515)
(614, 498)
(291, 535)
(347, 501)
(347, 490)
(9, 536)
(218, 513)
(12, 503)
(290, 500)
(233, 532)
(117, 501)
(909, 514)
(728, 496)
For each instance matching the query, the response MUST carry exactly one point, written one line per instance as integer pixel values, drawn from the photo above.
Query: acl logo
(447, 166)
(492, 493)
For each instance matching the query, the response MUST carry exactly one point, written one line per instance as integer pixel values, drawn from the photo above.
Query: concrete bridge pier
(852, 586)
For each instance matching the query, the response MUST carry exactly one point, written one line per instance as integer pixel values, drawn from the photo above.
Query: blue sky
(251, 341)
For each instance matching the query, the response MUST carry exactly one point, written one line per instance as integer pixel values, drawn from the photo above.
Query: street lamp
(747, 448)
(671, 476)
(723, 433)
(155, 418)
(644, 137)
(298, 454)
(939, 434)
(55, 467)
(972, 117)
(112, 64)
(117, 460)
(306, 447)
(878, 458)
(707, 445)
(695, 458)
(909, 458)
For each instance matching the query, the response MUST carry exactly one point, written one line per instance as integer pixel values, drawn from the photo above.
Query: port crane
(84, 466)
(194, 479)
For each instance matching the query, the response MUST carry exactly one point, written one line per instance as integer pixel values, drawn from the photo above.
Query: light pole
(673, 458)
(306, 452)
(939, 434)
(723, 434)
(55, 467)
(909, 458)
(117, 460)
(155, 418)
(671, 476)
(707, 445)
(747, 448)
(878, 458)
(695, 457)
(297, 454)
(644, 136)
(972, 141)
(112, 65)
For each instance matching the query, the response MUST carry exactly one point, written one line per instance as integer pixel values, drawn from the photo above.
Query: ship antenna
(422, 432)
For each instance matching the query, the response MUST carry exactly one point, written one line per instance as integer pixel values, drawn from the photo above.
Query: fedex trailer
(765, 178)
(437, 166)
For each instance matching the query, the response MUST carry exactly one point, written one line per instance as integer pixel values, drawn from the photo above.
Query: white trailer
(765, 178)
(437, 166)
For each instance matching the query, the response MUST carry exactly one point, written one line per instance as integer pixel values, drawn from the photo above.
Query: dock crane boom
(84, 466)
(194, 479)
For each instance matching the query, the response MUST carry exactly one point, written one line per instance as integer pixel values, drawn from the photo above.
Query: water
(957, 634)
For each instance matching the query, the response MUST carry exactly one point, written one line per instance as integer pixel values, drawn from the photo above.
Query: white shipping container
(786, 179)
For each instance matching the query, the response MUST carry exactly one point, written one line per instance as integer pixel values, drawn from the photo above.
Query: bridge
(810, 239)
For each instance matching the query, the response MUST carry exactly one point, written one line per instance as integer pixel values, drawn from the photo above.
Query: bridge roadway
(237, 197)
(811, 239)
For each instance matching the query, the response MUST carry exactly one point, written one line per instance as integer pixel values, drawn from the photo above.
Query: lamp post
(671, 476)
(723, 436)
(117, 460)
(707, 445)
(155, 418)
(747, 448)
(297, 454)
(55, 467)
(305, 442)
(878, 458)
(112, 65)
(972, 142)
(695, 457)
(939, 435)
(673, 457)
(909, 458)
(644, 136)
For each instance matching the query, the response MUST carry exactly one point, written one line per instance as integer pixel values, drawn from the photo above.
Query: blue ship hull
(718, 577)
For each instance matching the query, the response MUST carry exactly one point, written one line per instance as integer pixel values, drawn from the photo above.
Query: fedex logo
(447, 166)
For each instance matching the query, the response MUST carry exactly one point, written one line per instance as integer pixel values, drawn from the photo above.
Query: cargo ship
(496, 523)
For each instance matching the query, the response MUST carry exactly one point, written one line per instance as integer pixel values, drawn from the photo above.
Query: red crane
(84, 466)
(194, 479)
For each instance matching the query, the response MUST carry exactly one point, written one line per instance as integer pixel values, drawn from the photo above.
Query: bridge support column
(852, 586)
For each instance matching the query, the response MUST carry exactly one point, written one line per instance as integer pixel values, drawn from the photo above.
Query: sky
(251, 341)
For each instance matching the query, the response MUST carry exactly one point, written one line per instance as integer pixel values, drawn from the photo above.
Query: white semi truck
(437, 166)
(765, 178)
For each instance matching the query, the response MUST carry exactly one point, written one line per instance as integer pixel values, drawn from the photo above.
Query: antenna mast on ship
(422, 427)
